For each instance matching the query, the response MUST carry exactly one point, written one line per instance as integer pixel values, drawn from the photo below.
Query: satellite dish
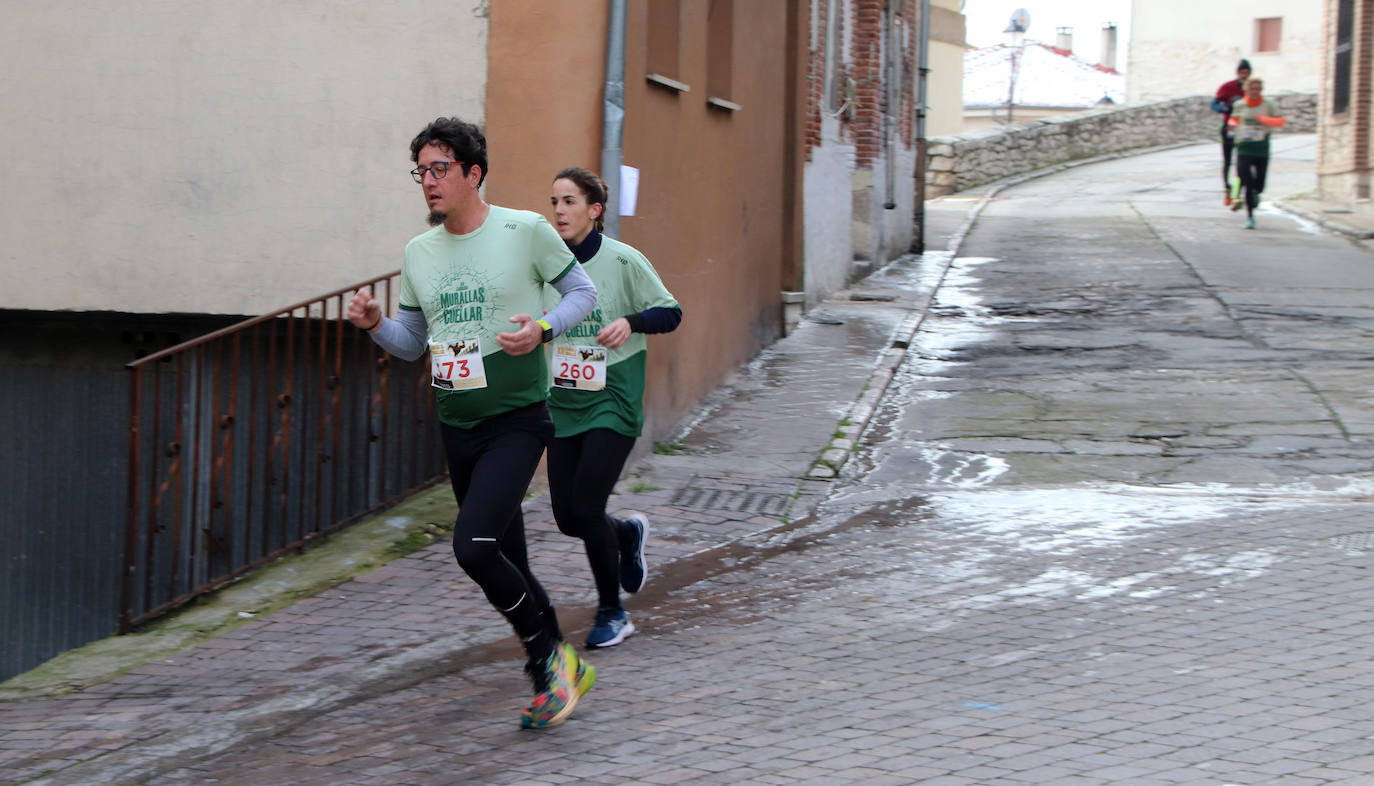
(1020, 21)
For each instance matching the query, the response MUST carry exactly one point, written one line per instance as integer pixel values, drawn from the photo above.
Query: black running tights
(1228, 143)
(1251, 170)
(583, 470)
(490, 466)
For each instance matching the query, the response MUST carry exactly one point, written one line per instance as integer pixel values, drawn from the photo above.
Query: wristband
(378, 324)
(548, 331)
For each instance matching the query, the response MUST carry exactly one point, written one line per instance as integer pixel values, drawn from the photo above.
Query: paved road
(1136, 442)
(1108, 522)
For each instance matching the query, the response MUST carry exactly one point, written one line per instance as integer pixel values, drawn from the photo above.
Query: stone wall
(967, 160)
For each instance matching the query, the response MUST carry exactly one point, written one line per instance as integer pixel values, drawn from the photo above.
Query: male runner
(468, 288)
(1226, 96)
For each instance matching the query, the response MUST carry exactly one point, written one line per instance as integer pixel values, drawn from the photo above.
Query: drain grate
(1357, 541)
(753, 502)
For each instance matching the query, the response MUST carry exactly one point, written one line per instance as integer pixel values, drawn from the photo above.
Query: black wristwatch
(548, 331)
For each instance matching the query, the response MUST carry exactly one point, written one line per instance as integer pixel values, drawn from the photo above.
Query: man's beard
(436, 217)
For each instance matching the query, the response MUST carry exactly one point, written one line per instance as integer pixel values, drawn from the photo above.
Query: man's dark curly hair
(468, 143)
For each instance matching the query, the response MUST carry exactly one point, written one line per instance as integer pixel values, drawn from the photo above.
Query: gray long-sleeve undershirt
(407, 336)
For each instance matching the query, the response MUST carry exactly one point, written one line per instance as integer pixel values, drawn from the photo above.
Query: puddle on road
(722, 578)
(979, 547)
(995, 545)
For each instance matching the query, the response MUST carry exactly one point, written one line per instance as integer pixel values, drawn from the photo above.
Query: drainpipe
(890, 111)
(918, 237)
(613, 114)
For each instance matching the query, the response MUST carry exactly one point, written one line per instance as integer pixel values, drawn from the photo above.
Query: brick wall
(860, 65)
(1344, 155)
(815, 75)
(866, 70)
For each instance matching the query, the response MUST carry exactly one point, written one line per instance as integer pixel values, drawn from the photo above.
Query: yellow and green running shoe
(556, 688)
(586, 676)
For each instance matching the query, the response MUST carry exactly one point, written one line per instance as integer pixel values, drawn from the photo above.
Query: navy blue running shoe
(612, 627)
(633, 532)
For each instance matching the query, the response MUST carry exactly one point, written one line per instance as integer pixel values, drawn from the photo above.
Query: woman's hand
(614, 334)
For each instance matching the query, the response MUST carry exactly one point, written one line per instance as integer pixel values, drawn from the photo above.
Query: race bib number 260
(579, 368)
(457, 365)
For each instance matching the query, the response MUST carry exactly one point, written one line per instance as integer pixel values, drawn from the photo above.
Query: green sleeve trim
(409, 308)
(560, 276)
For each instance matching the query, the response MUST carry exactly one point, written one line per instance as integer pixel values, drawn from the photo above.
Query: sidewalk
(1355, 223)
(251, 664)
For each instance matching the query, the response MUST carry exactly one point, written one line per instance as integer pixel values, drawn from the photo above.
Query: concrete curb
(1324, 221)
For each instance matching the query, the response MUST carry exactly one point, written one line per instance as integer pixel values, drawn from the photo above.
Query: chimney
(1063, 38)
(1108, 57)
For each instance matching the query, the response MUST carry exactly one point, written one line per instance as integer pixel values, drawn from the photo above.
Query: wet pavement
(1083, 499)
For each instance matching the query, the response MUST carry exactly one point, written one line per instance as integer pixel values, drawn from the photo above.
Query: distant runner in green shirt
(1252, 117)
(597, 399)
(468, 289)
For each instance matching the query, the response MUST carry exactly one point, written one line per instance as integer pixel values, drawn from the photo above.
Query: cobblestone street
(1083, 500)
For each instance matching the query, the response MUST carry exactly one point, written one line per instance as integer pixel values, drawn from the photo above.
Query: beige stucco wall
(544, 57)
(1169, 59)
(218, 157)
(945, 82)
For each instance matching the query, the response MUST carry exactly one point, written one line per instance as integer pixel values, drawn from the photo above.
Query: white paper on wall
(629, 189)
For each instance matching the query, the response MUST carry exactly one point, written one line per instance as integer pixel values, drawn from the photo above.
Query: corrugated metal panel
(64, 401)
(353, 434)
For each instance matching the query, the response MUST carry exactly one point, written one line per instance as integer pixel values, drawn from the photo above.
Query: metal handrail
(251, 441)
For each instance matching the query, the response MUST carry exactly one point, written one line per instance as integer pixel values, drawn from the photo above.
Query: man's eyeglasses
(439, 168)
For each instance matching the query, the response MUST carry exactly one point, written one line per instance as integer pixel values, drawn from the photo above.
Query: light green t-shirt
(1252, 136)
(625, 284)
(468, 287)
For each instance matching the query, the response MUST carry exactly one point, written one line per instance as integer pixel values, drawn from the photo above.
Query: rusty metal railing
(251, 441)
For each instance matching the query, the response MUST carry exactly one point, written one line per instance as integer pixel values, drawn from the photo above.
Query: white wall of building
(224, 158)
(881, 232)
(1184, 47)
(827, 214)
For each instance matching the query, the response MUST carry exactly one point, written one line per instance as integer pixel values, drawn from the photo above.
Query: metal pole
(891, 89)
(613, 114)
(130, 572)
(1018, 49)
(918, 238)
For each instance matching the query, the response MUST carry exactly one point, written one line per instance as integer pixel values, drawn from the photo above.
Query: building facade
(863, 71)
(710, 96)
(1344, 156)
(1167, 59)
(202, 158)
(170, 169)
(944, 83)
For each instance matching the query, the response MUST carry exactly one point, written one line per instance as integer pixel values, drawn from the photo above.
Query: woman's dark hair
(468, 143)
(1245, 65)
(592, 187)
